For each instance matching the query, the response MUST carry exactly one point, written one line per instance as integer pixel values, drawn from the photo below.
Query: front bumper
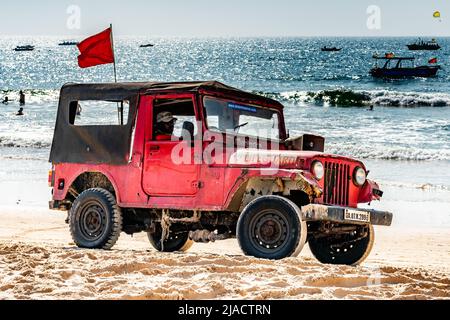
(318, 212)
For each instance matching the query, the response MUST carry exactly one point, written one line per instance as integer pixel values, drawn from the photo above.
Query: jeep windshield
(232, 117)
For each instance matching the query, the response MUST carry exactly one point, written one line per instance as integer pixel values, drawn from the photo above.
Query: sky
(226, 18)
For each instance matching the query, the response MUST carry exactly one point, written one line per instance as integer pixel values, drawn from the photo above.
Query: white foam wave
(343, 97)
(16, 142)
(389, 153)
(416, 186)
(409, 99)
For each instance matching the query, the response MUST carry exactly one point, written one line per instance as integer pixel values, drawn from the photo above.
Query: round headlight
(318, 170)
(360, 176)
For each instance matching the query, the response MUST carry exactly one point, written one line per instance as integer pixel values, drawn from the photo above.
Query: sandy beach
(38, 260)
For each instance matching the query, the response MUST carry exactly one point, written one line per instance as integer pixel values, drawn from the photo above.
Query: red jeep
(226, 168)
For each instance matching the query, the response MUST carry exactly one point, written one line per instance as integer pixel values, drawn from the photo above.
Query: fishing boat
(24, 48)
(68, 43)
(326, 49)
(422, 45)
(146, 45)
(394, 68)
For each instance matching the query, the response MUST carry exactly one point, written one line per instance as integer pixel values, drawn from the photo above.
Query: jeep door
(169, 167)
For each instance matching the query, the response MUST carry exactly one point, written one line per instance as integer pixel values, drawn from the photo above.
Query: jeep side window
(174, 119)
(98, 113)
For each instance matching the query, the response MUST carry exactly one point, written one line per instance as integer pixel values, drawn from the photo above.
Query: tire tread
(115, 215)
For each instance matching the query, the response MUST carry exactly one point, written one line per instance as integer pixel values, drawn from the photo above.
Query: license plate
(353, 215)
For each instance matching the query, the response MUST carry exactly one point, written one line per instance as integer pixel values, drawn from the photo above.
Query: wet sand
(38, 260)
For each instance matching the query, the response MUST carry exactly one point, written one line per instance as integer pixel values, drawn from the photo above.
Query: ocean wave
(25, 157)
(355, 98)
(410, 99)
(15, 142)
(337, 97)
(389, 153)
(416, 186)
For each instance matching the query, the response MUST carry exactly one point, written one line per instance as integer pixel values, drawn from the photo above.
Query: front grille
(337, 184)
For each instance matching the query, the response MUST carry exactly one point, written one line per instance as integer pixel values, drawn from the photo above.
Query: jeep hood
(280, 158)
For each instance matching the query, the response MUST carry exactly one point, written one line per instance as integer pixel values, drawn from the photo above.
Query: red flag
(96, 50)
(434, 60)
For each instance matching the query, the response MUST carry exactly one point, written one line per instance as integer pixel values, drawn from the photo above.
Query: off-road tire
(176, 242)
(271, 227)
(95, 220)
(327, 249)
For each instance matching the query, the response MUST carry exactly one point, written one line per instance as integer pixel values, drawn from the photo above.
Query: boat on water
(68, 43)
(24, 48)
(333, 49)
(394, 68)
(146, 45)
(422, 45)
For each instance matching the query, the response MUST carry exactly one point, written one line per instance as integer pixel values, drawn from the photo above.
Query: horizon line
(236, 36)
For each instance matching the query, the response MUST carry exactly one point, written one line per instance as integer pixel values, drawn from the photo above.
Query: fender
(252, 184)
(65, 171)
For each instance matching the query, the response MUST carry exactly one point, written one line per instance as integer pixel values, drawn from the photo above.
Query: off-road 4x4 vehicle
(228, 170)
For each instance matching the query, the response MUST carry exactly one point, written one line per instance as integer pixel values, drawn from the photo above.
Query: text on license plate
(359, 216)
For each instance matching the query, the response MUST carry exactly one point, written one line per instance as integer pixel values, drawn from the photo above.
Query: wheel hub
(269, 230)
(92, 221)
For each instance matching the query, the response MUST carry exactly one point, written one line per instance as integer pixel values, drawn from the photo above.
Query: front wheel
(95, 220)
(271, 227)
(177, 241)
(349, 249)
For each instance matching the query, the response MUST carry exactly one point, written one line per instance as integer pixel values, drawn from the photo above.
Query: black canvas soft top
(104, 90)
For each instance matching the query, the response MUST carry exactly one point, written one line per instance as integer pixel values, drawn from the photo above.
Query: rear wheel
(349, 249)
(177, 241)
(95, 220)
(271, 227)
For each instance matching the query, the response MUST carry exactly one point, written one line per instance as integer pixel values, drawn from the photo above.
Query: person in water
(5, 100)
(22, 98)
(20, 112)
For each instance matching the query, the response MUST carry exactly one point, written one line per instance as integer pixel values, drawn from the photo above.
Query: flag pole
(119, 106)
(114, 53)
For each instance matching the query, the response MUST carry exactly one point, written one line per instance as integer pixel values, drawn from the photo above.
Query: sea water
(405, 141)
